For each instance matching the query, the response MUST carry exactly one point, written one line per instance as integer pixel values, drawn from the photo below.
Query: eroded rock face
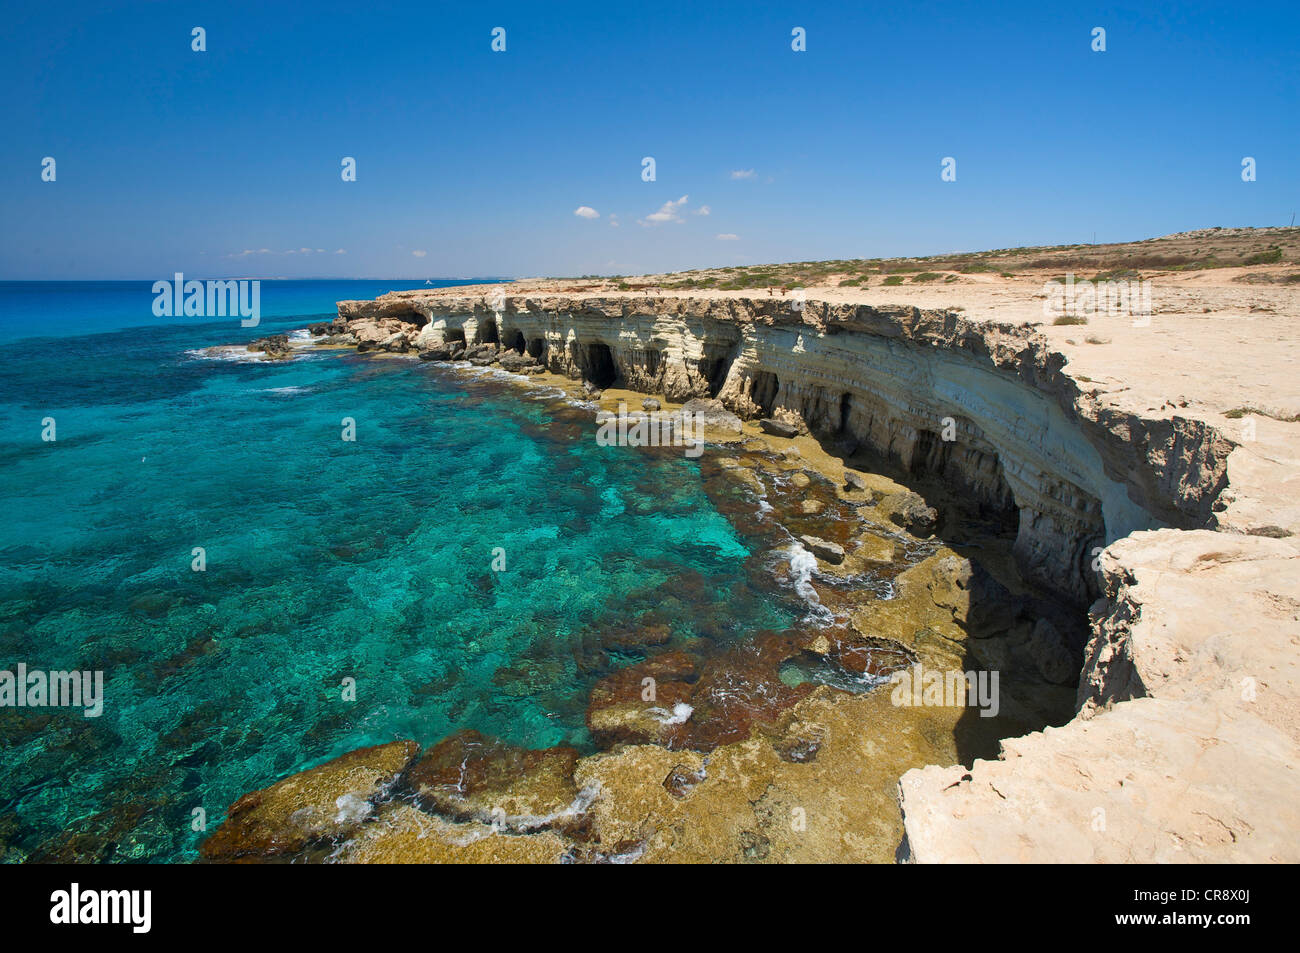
(1026, 439)
(1187, 747)
(328, 802)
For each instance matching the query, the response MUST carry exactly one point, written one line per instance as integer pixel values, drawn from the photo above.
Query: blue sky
(172, 160)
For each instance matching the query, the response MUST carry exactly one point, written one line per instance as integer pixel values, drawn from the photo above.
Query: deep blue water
(325, 560)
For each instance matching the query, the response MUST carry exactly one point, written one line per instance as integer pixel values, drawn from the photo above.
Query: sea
(259, 593)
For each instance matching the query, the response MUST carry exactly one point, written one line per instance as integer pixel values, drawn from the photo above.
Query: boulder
(854, 481)
(650, 403)
(778, 428)
(518, 363)
(832, 553)
(442, 353)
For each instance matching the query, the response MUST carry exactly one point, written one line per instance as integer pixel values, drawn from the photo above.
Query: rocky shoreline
(1026, 444)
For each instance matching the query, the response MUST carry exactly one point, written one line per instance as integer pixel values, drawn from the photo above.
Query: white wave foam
(803, 566)
(681, 711)
(232, 352)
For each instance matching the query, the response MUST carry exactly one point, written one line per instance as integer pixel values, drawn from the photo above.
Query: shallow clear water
(326, 560)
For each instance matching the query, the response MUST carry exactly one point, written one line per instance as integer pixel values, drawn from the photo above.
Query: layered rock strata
(985, 407)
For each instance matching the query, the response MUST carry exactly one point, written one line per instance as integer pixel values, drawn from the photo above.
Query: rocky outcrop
(985, 407)
(323, 804)
(276, 347)
(1187, 745)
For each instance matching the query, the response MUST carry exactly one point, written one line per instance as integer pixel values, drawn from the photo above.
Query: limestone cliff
(986, 407)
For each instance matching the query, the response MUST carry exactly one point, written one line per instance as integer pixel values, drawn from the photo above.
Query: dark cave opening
(764, 391)
(599, 367)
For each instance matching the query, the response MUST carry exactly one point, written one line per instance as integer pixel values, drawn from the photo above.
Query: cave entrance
(599, 366)
(715, 373)
(454, 334)
(487, 332)
(846, 414)
(537, 349)
(764, 391)
(515, 342)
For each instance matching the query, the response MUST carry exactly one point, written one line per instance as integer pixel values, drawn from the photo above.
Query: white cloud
(341, 251)
(586, 211)
(703, 210)
(668, 212)
(743, 173)
(419, 253)
(288, 251)
(728, 237)
(613, 220)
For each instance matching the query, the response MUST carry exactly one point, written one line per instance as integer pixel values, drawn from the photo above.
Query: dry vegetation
(1275, 251)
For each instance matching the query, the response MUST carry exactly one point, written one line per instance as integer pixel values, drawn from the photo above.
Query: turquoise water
(326, 560)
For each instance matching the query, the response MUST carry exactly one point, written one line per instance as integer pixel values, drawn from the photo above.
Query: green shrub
(1265, 257)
